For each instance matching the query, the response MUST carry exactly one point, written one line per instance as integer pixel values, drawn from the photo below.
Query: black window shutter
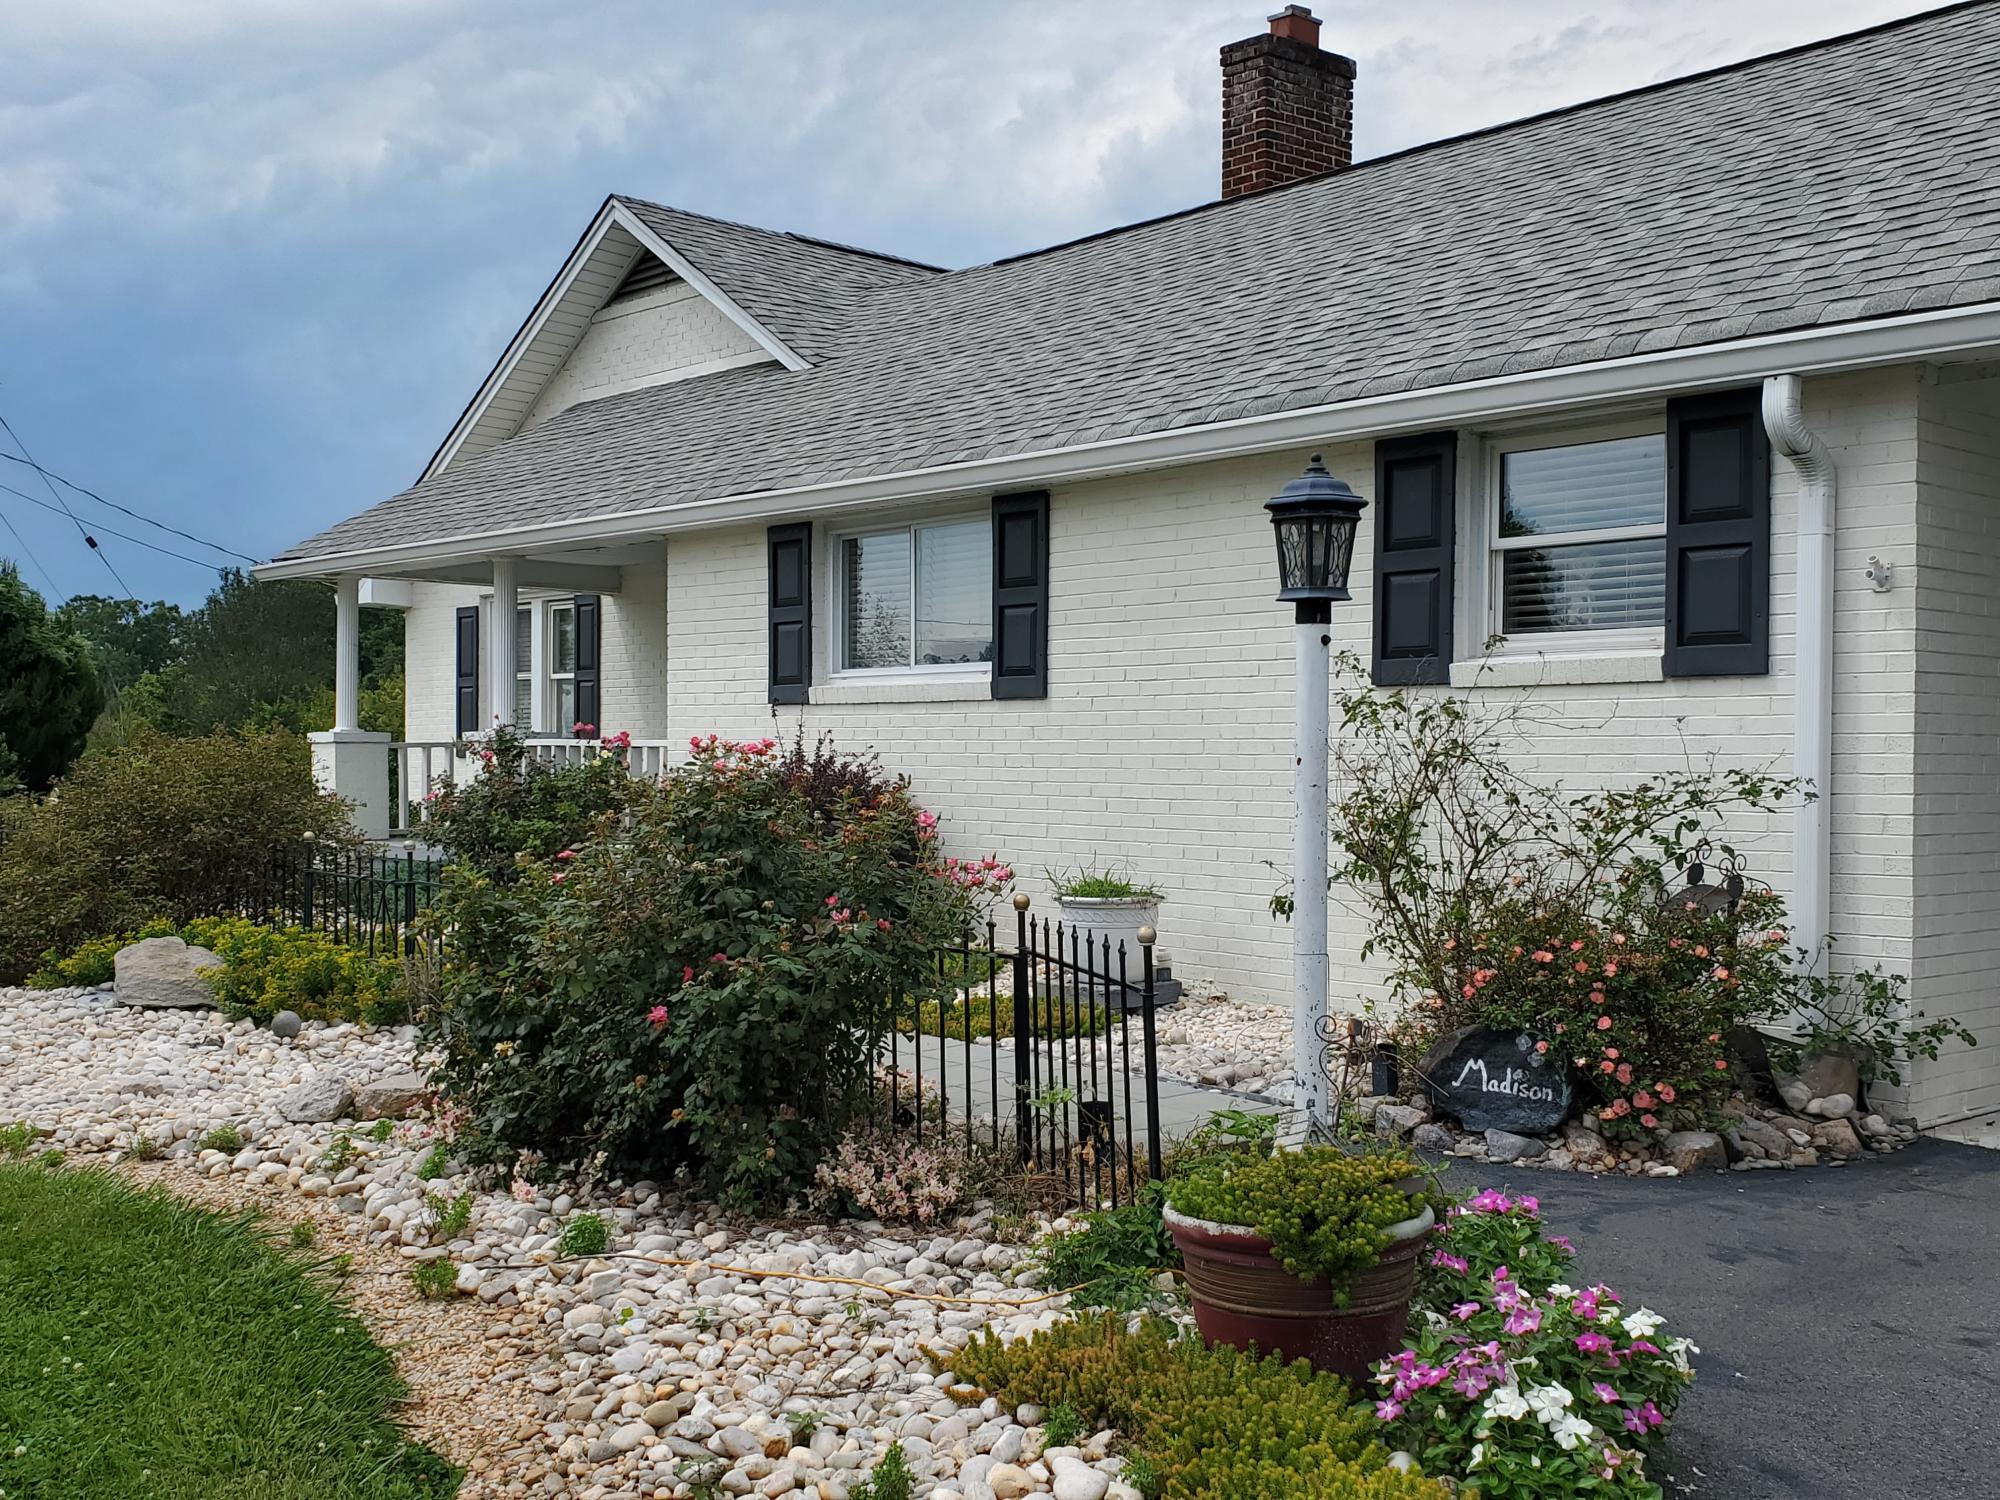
(1416, 497)
(1718, 614)
(1021, 595)
(469, 716)
(589, 653)
(790, 553)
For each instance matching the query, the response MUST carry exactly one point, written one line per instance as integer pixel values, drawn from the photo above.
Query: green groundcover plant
(265, 969)
(1529, 1388)
(1203, 1423)
(1327, 1214)
(695, 989)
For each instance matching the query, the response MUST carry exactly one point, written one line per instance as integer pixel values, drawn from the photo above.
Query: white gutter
(1812, 697)
(1881, 341)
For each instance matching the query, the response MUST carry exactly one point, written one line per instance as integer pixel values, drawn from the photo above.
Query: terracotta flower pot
(1243, 1296)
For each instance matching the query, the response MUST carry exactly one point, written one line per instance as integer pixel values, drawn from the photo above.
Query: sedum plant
(1212, 1423)
(1326, 1214)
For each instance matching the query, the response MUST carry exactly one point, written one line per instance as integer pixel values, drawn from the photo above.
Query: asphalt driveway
(1849, 1319)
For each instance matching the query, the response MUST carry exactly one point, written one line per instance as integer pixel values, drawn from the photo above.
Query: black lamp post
(1314, 517)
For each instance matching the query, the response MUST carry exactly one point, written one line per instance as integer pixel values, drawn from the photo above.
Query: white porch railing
(415, 766)
(644, 758)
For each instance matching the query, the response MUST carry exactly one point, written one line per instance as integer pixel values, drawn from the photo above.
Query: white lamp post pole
(1310, 973)
(1315, 517)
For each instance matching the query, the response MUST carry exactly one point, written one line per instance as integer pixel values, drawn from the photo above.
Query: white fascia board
(1849, 346)
(558, 290)
(692, 274)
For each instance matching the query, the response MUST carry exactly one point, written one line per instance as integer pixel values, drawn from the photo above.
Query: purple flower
(1450, 1262)
(1524, 1320)
(1642, 1346)
(1529, 1205)
(1650, 1415)
(1606, 1394)
(1594, 1343)
(1635, 1423)
(1388, 1411)
(1491, 1201)
(1465, 1310)
(1472, 1381)
(1562, 1243)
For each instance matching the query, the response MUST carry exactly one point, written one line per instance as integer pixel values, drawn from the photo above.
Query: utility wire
(124, 588)
(91, 494)
(122, 536)
(29, 552)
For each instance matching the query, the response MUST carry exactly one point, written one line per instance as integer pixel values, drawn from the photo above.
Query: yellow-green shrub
(1217, 1424)
(264, 970)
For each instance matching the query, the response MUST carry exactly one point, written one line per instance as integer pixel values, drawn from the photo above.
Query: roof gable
(786, 294)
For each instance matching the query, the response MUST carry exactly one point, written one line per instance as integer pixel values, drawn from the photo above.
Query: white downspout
(1812, 699)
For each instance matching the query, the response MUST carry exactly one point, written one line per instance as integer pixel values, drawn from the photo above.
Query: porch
(518, 640)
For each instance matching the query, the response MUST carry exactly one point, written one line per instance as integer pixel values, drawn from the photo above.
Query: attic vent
(648, 273)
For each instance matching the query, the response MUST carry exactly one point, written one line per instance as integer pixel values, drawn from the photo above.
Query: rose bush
(1528, 1387)
(1637, 995)
(518, 803)
(694, 987)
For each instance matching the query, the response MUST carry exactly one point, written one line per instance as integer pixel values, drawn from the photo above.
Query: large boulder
(316, 1101)
(390, 1097)
(164, 973)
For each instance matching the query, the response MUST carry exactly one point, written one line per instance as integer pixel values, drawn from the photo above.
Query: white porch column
(347, 653)
(348, 760)
(501, 630)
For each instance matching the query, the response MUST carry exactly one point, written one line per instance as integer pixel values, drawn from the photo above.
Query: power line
(124, 588)
(123, 536)
(29, 552)
(86, 492)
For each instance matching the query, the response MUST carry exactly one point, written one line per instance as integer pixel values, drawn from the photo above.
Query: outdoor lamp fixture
(1314, 517)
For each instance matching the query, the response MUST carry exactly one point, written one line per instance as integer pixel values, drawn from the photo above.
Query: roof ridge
(1503, 126)
(782, 234)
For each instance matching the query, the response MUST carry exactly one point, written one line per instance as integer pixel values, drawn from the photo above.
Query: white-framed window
(524, 665)
(562, 667)
(1574, 526)
(913, 598)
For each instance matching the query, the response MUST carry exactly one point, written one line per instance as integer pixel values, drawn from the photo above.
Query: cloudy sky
(256, 254)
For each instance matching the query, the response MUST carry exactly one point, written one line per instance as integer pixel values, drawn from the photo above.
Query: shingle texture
(1857, 179)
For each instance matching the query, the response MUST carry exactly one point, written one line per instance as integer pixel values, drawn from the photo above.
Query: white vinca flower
(1548, 1402)
(1564, 1292)
(1505, 1401)
(1643, 1324)
(1571, 1431)
(1478, 1456)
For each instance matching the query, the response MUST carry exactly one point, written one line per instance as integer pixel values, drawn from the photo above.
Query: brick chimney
(1287, 106)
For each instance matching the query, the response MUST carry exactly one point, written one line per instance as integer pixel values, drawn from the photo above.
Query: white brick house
(724, 476)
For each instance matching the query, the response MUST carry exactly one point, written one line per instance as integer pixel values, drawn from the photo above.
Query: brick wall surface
(1164, 746)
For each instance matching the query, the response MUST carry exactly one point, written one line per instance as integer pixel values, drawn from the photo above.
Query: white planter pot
(1095, 918)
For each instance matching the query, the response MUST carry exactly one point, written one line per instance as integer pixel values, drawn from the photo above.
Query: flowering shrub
(1502, 900)
(882, 1177)
(518, 803)
(1638, 996)
(697, 991)
(1520, 1383)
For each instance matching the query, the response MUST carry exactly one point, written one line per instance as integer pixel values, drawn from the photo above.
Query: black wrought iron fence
(1047, 1051)
(361, 897)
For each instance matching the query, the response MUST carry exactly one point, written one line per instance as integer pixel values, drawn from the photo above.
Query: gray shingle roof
(1852, 179)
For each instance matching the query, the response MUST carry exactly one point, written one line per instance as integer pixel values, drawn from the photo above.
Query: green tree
(260, 654)
(127, 639)
(50, 692)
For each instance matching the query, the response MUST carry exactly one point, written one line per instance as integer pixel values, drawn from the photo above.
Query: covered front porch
(551, 645)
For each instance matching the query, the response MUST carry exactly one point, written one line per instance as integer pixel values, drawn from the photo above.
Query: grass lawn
(148, 1348)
